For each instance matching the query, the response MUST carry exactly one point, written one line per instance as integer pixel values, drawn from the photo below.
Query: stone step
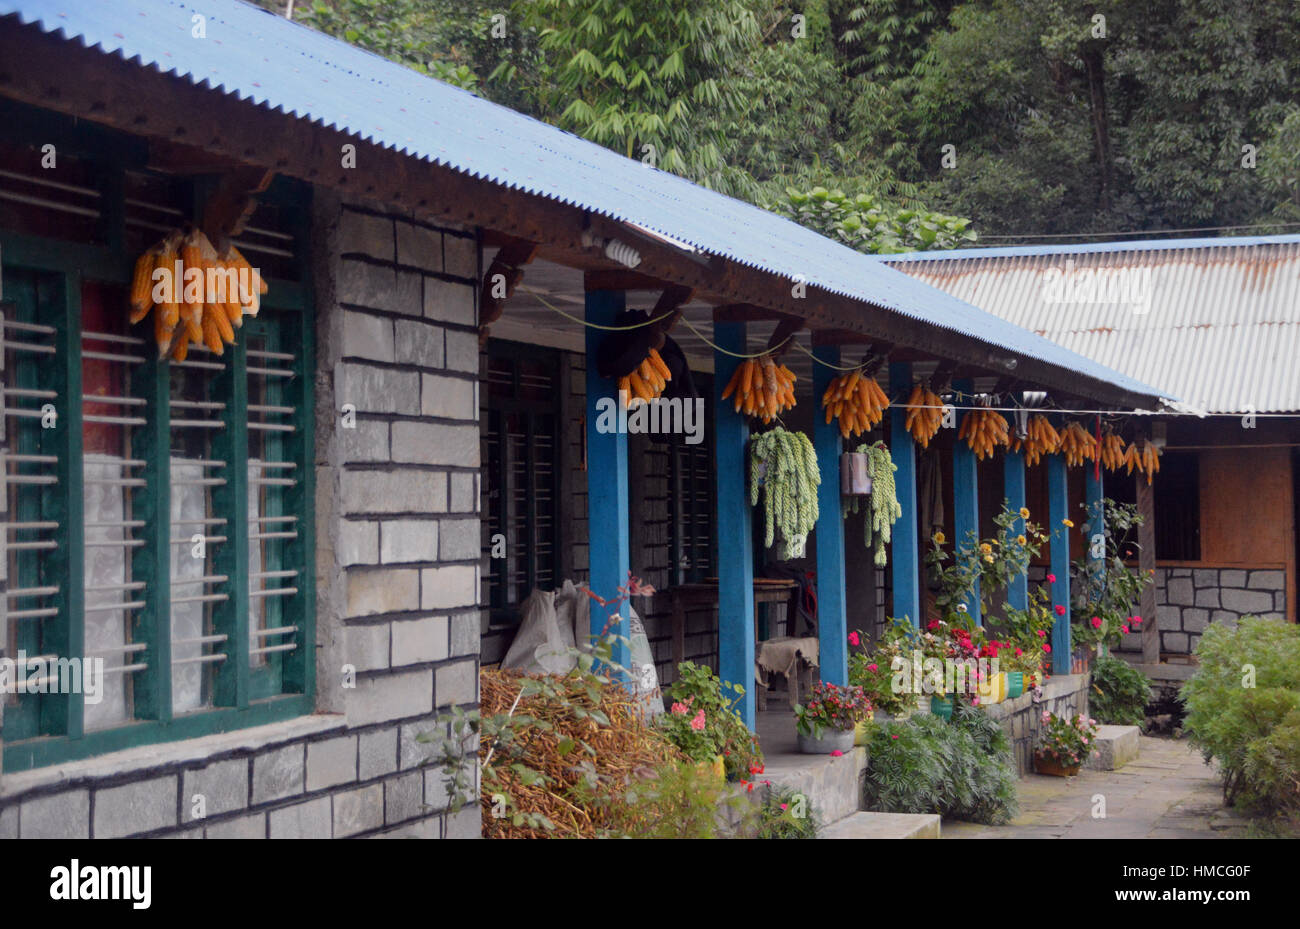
(1115, 747)
(863, 825)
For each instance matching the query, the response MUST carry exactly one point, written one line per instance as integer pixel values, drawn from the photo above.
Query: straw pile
(624, 751)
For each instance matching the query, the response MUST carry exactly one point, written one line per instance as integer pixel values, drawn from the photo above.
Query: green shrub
(786, 814)
(1243, 709)
(1120, 692)
(962, 769)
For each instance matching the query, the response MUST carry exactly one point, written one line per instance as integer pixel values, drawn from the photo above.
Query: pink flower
(873, 666)
(784, 805)
(1060, 610)
(679, 709)
(1051, 578)
(854, 639)
(893, 737)
(698, 722)
(1096, 622)
(1046, 648)
(1042, 633)
(1124, 629)
(1136, 621)
(836, 753)
(1019, 653)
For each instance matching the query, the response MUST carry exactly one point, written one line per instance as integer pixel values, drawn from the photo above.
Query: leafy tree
(864, 223)
(648, 78)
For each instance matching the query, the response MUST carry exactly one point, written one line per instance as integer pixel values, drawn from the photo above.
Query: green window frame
(254, 409)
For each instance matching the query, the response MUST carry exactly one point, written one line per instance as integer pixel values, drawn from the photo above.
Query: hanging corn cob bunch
(761, 387)
(984, 430)
(1041, 438)
(783, 468)
(205, 309)
(923, 423)
(1077, 445)
(647, 382)
(884, 508)
(1146, 461)
(1112, 452)
(857, 401)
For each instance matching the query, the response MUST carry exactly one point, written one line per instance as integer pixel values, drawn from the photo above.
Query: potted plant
(873, 671)
(1064, 744)
(702, 721)
(826, 722)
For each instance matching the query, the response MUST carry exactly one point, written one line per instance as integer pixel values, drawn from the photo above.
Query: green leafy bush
(963, 769)
(1243, 710)
(1120, 692)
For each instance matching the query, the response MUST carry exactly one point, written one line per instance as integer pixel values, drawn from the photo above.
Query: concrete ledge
(1115, 747)
(885, 826)
(832, 785)
(135, 763)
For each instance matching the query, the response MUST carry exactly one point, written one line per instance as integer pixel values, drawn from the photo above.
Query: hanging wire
(590, 325)
(717, 348)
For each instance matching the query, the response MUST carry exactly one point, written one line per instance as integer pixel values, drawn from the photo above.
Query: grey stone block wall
(1189, 599)
(397, 538)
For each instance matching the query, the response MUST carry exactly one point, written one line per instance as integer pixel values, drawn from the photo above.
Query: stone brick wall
(397, 539)
(1021, 718)
(1189, 599)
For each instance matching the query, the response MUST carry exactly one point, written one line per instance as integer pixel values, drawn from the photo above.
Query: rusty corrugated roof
(1214, 322)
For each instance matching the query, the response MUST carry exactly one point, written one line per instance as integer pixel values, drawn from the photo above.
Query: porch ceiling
(529, 320)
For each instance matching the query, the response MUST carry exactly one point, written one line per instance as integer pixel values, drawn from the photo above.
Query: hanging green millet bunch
(783, 469)
(878, 526)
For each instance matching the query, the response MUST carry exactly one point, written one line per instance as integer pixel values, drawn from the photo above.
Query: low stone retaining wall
(1021, 718)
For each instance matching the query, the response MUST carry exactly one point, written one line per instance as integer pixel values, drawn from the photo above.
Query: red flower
(1051, 578)
(854, 639)
(1060, 610)
(1046, 647)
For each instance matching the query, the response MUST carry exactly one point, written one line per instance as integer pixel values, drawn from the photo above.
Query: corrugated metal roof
(271, 62)
(1221, 330)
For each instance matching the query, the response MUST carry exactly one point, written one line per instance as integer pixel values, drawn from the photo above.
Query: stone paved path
(1167, 793)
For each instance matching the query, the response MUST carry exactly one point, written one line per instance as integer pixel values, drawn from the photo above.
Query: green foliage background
(1063, 117)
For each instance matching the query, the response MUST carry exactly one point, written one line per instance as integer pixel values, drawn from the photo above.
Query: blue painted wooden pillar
(1013, 487)
(607, 506)
(1058, 508)
(832, 621)
(735, 548)
(906, 548)
(1094, 493)
(965, 498)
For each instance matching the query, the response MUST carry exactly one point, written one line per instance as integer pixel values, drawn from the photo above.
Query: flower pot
(1015, 684)
(941, 706)
(831, 740)
(862, 733)
(717, 767)
(1046, 764)
(855, 480)
(993, 690)
(1081, 661)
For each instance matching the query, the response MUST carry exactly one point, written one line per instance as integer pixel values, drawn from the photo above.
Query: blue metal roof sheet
(266, 60)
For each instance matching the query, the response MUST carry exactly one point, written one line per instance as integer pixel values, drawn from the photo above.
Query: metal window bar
(199, 659)
(268, 649)
(274, 592)
(275, 630)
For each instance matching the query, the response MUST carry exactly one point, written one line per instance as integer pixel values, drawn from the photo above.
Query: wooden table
(697, 596)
